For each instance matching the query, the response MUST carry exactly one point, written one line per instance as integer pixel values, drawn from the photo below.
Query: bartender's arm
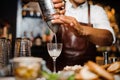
(101, 37)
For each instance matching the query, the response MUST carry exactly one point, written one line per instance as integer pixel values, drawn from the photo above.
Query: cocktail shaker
(47, 10)
(4, 52)
(22, 47)
(5, 55)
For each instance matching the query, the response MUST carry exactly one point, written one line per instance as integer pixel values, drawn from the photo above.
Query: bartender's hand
(70, 22)
(65, 20)
(59, 5)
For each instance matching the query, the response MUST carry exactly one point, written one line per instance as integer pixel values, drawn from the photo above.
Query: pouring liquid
(47, 10)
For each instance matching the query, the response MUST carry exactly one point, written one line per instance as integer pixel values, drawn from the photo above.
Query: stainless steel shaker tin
(22, 47)
(5, 52)
(47, 10)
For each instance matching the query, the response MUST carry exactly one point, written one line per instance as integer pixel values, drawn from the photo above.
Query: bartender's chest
(80, 14)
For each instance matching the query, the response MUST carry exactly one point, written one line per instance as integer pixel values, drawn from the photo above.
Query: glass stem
(54, 65)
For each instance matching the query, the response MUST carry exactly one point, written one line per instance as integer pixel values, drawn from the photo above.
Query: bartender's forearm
(100, 37)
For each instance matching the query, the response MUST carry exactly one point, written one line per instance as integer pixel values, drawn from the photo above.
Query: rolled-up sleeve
(100, 20)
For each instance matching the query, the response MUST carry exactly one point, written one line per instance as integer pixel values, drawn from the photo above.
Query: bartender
(83, 26)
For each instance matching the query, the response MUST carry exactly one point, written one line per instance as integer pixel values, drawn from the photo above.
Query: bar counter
(12, 78)
(117, 77)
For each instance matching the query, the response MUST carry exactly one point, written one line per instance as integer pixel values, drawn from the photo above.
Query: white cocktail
(54, 50)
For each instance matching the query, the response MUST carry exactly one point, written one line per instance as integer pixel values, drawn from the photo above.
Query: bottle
(106, 57)
(47, 10)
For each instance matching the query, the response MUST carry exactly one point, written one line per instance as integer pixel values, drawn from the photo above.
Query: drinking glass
(26, 68)
(54, 50)
(22, 47)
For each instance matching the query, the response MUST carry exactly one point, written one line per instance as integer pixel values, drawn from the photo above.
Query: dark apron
(77, 49)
